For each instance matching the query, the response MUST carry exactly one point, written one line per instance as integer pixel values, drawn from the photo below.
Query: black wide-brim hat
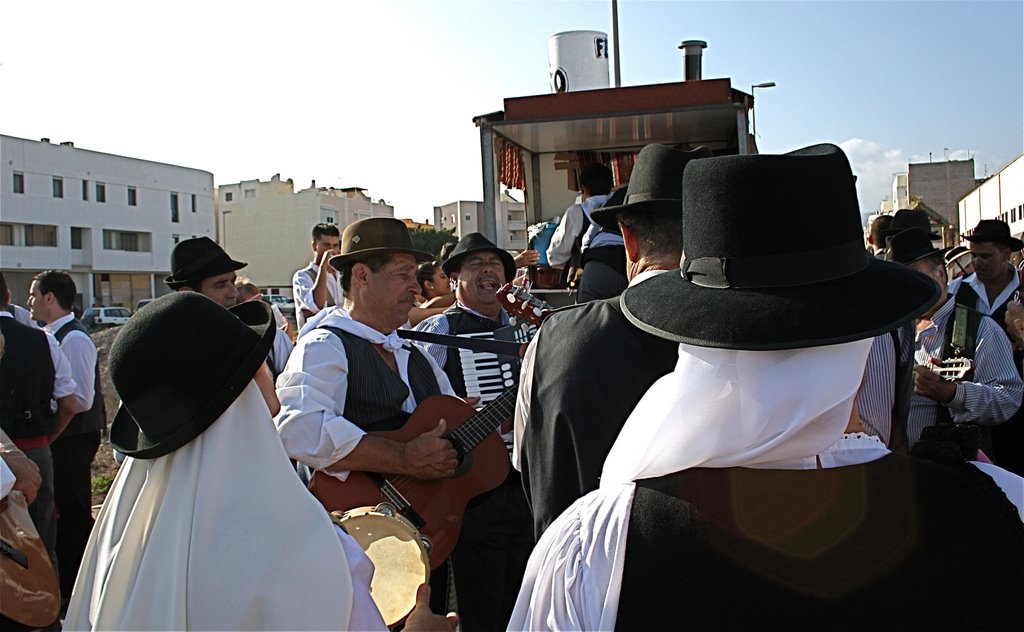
(997, 232)
(654, 186)
(196, 259)
(475, 242)
(912, 245)
(179, 364)
(376, 236)
(765, 269)
(906, 218)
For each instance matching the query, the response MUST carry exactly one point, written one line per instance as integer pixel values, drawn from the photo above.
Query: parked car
(284, 303)
(104, 317)
(142, 302)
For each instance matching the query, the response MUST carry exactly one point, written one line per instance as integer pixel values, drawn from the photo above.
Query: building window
(174, 207)
(330, 220)
(6, 235)
(193, 202)
(19, 182)
(40, 235)
(101, 192)
(76, 238)
(133, 197)
(58, 187)
(85, 190)
(467, 217)
(250, 194)
(229, 196)
(175, 238)
(123, 240)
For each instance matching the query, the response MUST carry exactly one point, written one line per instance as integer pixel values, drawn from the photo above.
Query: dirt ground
(104, 465)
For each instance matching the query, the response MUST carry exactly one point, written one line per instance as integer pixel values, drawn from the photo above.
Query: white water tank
(578, 60)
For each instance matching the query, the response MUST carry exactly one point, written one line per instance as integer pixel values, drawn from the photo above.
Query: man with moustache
(495, 541)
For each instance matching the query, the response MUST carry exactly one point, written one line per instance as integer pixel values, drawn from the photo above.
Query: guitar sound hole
(465, 463)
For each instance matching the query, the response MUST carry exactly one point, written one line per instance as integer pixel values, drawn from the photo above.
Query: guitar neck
(475, 429)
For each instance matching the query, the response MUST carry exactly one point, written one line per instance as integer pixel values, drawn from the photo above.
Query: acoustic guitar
(29, 593)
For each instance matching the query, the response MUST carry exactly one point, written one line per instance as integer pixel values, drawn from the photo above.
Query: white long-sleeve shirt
(80, 351)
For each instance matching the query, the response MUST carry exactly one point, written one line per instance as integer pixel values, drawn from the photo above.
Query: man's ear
(631, 241)
(360, 275)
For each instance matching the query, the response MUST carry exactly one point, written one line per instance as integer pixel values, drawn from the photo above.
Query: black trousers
(604, 274)
(490, 557)
(72, 491)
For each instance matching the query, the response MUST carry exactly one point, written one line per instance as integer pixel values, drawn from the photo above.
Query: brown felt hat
(375, 236)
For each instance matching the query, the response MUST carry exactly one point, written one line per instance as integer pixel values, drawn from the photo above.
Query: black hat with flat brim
(376, 236)
(996, 232)
(912, 245)
(655, 186)
(179, 364)
(196, 259)
(765, 269)
(475, 242)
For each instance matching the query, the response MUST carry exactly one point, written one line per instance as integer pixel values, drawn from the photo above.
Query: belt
(32, 443)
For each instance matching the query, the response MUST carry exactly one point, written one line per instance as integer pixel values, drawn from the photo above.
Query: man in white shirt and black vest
(589, 366)
(715, 508)
(51, 300)
(993, 285)
(33, 374)
(350, 375)
(496, 536)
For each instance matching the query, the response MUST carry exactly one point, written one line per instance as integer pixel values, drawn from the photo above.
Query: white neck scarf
(727, 408)
(217, 535)
(341, 319)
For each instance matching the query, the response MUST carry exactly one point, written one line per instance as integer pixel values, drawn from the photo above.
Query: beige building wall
(999, 197)
(941, 185)
(268, 224)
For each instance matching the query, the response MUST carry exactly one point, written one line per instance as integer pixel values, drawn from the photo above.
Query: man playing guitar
(350, 374)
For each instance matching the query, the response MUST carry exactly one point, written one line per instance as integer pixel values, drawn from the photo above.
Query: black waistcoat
(591, 368)
(462, 322)
(1007, 439)
(376, 393)
(94, 419)
(898, 543)
(26, 382)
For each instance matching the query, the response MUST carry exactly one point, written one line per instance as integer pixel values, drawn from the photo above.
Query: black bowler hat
(906, 218)
(475, 242)
(375, 236)
(177, 366)
(997, 232)
(911, 245)
(196, 259)
(765, 269)
(654, 186)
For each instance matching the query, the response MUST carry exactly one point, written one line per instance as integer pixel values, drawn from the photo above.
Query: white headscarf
(727, 408)
(217, 535)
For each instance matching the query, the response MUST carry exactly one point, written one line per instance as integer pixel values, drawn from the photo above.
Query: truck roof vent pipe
(693, 50)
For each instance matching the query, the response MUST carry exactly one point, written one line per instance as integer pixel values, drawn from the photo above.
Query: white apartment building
(110, 221)
(999, 197)
(463, 217)
(268, 225)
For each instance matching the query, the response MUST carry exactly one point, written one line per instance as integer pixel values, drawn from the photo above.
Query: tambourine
(399, 552)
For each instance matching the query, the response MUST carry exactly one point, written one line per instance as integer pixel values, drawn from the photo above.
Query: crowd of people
(741, 424)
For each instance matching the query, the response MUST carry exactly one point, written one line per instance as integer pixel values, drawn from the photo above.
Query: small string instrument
(950, 369)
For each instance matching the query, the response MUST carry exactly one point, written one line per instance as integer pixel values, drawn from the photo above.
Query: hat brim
(338, 261)
(910, 258)
(607, 217)
(832, 312)
(128, 438)
(1012, 243)
(174, 284)
(452, 264)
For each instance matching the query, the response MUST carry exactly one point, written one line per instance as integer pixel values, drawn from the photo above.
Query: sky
(381, 94)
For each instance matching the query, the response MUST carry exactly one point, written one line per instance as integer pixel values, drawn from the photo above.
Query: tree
(430, 239)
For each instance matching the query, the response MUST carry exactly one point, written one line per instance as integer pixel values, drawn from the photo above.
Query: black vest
(94, 419)
(375, 392)
(591, 368)
(462, 322)
(898, 543)
(1007, 439)
(26, 382)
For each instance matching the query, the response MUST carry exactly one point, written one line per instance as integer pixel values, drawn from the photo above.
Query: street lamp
(753, 118)
(224, 228)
